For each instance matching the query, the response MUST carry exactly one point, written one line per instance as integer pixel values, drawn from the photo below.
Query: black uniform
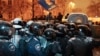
(62, 37)
(81, 45)
(52, 47)
(71, 30)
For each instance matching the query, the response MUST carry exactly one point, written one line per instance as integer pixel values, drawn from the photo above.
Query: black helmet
(49, 25)
(29, 23)
(35, 28)
(62, 28)
(6, 30)
(50, 34)
(84, 30)
(71, 29)
(72, 26)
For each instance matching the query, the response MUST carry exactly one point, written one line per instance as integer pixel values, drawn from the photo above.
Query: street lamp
(71, 6)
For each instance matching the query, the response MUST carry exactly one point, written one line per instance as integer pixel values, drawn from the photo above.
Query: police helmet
(71, 29)
(84, 30)
(35, 28)
(50, 34)
(17, 21)
(49, 25)
(72, 26)
(62, 28)
(6, 30)
(29, 23)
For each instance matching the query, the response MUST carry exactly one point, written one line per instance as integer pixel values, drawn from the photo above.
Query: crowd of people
(34, 38)
(49, 17)
(58, 18)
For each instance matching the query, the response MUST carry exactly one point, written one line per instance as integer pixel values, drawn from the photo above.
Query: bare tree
(10, 9)
(20, 7)
(24, 5)
(3, 7)
(93, 9)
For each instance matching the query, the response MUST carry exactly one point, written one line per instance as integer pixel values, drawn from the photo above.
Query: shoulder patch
(38, 47)
(11, 47)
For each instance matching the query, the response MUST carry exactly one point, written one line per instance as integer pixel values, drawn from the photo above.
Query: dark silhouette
(59, 17)
(67, 16)
(49, 17)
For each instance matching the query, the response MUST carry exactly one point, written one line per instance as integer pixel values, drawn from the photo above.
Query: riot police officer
(18, 39)
(17, 24)
(62, 29)
(52, 47)
(41, 37)
(33, 43)
(7, 48)
(71, 29)
(82, 44)
(62, 37)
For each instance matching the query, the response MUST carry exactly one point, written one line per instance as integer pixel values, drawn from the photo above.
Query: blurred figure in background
(59, 17)
(49, 17)
(1, 17)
